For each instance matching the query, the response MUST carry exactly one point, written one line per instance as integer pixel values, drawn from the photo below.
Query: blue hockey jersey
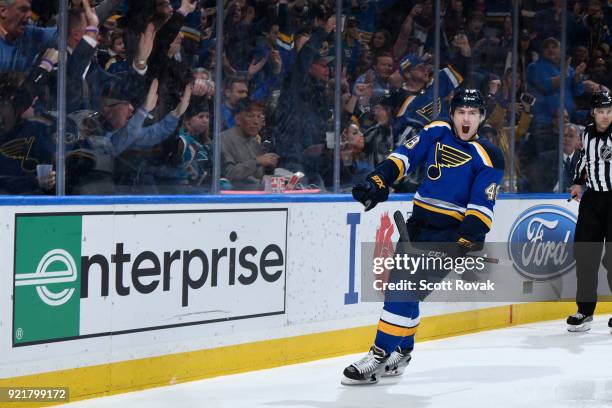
(461, 179)
(417, 110)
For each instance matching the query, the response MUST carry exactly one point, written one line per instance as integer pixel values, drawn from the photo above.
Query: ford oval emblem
(541, 241)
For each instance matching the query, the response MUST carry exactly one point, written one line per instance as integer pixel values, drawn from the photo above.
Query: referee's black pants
(593, 226)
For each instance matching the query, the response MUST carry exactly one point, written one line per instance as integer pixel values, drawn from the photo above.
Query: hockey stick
(400, 223)
(368, 205)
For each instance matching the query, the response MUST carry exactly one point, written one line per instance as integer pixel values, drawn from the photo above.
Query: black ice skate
(397, 362)
(579, 322)
(610, 325)
(368, 369)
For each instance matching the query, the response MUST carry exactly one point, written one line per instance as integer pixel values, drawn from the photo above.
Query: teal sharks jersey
(461, 179)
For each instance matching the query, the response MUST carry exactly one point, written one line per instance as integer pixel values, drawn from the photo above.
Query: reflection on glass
(393, 98)
(140, 90)
(542, 91)
(28, 58)
(278, 98)
(138, 98)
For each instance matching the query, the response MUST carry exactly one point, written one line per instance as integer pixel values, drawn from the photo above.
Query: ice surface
(538, 365)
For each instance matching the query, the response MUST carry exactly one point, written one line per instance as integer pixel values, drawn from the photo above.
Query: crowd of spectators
(141, 85)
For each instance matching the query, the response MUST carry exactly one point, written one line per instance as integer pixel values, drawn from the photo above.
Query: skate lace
(367, 363)
(578, 316)
(394, 358)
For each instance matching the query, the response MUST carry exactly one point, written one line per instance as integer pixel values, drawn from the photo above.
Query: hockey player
(417, 92)
(595, 212)
(454, 204)
(417, 95)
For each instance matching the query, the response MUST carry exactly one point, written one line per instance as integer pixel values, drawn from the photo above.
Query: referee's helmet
(601, 100)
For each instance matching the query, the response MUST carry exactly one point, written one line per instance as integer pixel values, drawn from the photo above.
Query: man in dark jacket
(85, 76)
(303, 111)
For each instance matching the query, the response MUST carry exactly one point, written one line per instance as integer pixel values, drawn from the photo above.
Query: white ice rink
(538, 365)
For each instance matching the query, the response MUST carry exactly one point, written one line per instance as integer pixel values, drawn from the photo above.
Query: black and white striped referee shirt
(595, 164)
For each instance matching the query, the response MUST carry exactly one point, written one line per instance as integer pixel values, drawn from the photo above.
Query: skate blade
(397, 370)
(393, 373)
(349, 381)
(579, 328)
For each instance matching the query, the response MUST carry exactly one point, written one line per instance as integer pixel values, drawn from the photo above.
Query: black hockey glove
(372, 191)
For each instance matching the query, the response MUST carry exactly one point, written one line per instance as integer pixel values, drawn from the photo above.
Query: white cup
(43, 170)
(330, 140)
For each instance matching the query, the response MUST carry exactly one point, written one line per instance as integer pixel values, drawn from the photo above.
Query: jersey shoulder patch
(490, 154)
(413, 141)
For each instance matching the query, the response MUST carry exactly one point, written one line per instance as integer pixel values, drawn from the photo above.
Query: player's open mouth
(465, 129)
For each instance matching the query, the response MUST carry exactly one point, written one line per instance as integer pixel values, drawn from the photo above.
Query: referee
(595, 212)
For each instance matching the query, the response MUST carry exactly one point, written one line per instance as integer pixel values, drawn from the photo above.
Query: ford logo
(541, 242)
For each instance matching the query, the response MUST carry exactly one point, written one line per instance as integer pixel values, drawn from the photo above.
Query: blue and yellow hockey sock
(407, 343)
(389, 336)
(397, 325)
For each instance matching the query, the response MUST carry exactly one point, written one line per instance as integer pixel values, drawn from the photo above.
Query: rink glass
(328, 143)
